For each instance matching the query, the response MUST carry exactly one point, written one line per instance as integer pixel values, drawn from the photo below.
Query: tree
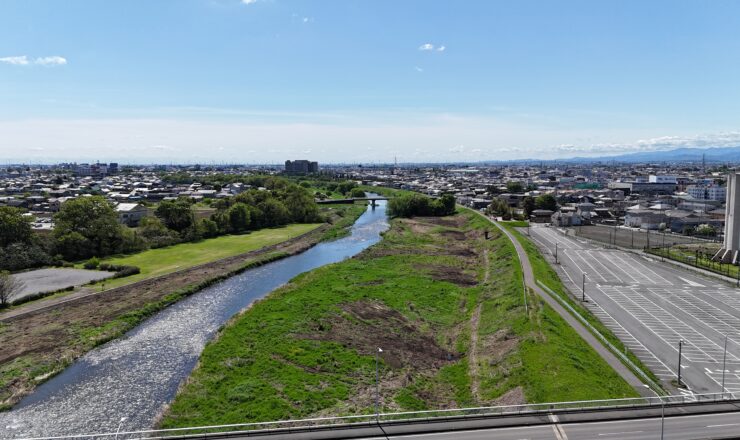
(357, 193)
(514, 187)
(444, 205)
(87, 226)
(274, 213)
(528, 204)
(238, 217)
(176, 214)
(302, 206)
(546, 201)
(14, 227)
(9, 287)
(705, 229)
(498, 208)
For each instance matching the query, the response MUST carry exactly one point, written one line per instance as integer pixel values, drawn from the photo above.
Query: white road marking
(691, 283)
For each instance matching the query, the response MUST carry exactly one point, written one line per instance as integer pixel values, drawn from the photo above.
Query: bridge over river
(373, 200)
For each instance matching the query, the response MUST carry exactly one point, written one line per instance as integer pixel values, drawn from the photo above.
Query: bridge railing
(408, 417)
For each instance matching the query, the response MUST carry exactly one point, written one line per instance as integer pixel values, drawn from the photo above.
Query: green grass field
(154, 262)
(308, 348)
(544, 273)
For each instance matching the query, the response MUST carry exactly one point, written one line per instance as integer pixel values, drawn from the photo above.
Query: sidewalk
(603, 351)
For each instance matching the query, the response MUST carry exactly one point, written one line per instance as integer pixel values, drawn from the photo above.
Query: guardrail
(387, 419)
(626, 360)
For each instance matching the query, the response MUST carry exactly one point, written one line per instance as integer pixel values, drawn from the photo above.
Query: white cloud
(249, 2)
(16, 61)
(51, 61)
(418, 69)
(429, 47)
(41, 61)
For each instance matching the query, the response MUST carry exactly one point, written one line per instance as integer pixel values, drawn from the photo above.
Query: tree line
(412, 205)
(88, 227)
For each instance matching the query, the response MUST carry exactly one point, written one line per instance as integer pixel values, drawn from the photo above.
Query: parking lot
(651, 306)
(49, 280)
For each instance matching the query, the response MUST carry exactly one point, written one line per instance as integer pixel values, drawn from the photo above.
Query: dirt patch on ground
(368, 325)
(451, 274)
(514, 396)
(454, 235)
(45, 336)
(497, 346)
(449, 222)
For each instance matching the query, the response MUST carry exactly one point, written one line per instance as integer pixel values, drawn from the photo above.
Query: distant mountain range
(719, 154)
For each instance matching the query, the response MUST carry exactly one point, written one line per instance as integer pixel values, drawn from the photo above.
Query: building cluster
(42, 190)
(676, 198)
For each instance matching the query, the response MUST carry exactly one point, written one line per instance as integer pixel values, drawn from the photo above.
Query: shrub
(92, 263)
(127, 271)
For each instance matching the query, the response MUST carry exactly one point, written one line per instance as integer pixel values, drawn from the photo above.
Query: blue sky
(265, 80)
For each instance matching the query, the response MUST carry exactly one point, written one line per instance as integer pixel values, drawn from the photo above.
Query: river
(137, 375)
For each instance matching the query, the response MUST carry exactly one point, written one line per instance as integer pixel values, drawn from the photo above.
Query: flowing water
(137, 375)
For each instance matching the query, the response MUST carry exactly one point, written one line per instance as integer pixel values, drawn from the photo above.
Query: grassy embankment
(699, 256)
(544, 273)
(155, 262)
(41, 345)
(422, 294)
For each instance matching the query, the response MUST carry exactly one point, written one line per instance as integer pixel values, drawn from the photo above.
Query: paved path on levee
(604, 352)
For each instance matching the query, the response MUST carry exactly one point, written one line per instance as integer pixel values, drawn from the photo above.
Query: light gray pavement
(49, 280)
(651, 306)
(604, 352)
(711, 426)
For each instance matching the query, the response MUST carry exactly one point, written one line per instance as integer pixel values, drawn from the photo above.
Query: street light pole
(680, 344)
(583, 288)
(123, 419)
(724, 364)
(662, 417)
(556, 252)
(377, 384)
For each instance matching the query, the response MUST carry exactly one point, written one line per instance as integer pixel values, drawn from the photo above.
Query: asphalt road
(651, 306)
(713, 426)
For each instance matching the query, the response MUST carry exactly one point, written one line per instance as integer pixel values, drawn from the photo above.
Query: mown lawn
(154, 262)
(309, 348)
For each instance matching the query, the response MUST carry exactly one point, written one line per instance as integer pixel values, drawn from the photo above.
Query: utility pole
(583, 288)
(680, 345)
(556, 252)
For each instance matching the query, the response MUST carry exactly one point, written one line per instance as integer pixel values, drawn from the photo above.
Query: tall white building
(731, 245)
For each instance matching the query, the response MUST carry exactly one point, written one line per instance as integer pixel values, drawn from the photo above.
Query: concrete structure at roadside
(731, 245)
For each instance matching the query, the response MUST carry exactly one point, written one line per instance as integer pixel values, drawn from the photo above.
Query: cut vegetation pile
(422, 294)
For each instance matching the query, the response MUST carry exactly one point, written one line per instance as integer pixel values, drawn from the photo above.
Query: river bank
(41, 339)
(444, 303)
(136, 374)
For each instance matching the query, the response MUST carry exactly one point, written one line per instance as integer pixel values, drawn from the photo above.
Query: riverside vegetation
(37, 346)
(444, 303)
